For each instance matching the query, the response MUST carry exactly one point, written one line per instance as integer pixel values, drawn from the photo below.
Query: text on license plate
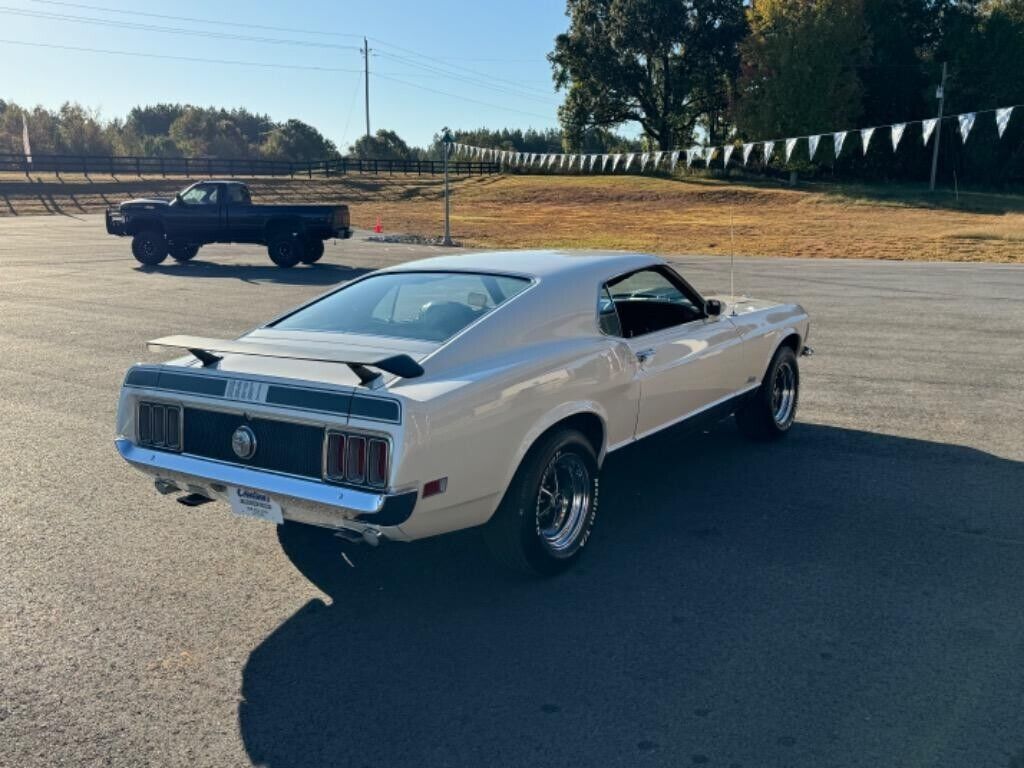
(249, 503)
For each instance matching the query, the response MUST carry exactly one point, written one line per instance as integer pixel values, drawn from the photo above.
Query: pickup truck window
(426, 306)
(238, 195)
(201, 194)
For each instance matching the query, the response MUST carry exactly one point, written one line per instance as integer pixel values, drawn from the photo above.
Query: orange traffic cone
(379, 226)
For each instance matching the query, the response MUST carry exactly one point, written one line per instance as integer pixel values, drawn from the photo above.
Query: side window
(238, 195)
(650, 300)
(201, 194)
(607, 315)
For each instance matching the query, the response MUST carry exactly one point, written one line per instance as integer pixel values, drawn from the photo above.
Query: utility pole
(938, 128)
(446, 148)
(366, 79)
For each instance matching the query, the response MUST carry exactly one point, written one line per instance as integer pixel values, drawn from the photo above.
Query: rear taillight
(357, 459)
(159, 426)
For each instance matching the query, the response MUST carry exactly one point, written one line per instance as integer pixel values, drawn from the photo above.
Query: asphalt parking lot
(850, 597)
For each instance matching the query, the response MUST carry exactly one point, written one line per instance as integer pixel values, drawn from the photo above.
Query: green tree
(383, 145)
(295, 140)
(662, 63)
(799, 68)
(202, 133)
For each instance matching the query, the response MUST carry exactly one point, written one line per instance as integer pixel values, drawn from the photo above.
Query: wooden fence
(211, 166)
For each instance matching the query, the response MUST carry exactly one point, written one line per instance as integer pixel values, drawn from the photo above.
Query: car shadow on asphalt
(817, 601)
(322, 273)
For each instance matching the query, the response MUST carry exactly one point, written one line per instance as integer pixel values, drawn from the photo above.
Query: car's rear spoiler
(209, 350)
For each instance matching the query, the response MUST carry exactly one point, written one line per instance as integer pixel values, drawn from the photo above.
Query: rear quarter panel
(475, 425)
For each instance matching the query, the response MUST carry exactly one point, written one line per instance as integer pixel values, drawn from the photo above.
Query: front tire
(313, 251)
(285, 251)
(548, 512)
(771, 410)
(149, 247)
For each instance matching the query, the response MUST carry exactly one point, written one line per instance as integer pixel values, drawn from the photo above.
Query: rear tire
(149, 247)
(313, 251)
(548, 512)
(184, 252)
(771, 410)
(285, 250)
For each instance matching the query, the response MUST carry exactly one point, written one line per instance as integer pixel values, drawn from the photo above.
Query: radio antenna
(732, 260)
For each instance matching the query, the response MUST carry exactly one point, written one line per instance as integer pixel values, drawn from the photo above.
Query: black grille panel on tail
(296, 449)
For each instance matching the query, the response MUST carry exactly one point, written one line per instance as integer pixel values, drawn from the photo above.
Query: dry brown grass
(622, 212)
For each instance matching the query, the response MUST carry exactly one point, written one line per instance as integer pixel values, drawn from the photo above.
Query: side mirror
(713, 307)
(178, 199)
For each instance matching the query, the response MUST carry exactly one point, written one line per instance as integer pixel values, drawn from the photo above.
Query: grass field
(621, 212)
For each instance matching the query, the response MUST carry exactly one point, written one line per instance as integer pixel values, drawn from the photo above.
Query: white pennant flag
(865, 137)
(966, 121)
(615, 161)
(897, 134)
(593, 159)
(747, 149)
(572, 159)
(790, 146)
(709, 154)
(927, 126)
(727, 151)
(769, 148)
(1003, 119)
(657, 159)
(673, 159)
(812, 145)
(690, 154)
(629, 160)
(644, 158)
(837, 141)
(604, 162)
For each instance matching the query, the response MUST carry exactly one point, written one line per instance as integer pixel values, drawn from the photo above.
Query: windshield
(427, 306)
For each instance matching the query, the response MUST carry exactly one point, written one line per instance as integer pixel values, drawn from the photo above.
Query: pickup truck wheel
(548, 512)
(771, 409)
(285, 250)
(184, 252)
(149, 247)
(314, 250)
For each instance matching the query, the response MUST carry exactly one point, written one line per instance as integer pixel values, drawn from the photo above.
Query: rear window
(427, 306)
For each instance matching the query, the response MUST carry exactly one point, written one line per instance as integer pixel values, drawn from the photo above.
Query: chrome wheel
(563, 502)
(783, 394)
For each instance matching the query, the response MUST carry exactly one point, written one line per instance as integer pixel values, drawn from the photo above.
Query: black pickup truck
(223, 212)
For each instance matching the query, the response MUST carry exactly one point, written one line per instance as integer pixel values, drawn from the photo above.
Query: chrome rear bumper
(306, 501)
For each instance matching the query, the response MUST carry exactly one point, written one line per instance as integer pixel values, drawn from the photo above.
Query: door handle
(644, 355)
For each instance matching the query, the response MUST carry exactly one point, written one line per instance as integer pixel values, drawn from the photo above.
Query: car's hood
(349, 347)
(145, 202)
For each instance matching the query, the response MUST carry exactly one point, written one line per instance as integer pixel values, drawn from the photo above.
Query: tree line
(161, 130)
(712, 71)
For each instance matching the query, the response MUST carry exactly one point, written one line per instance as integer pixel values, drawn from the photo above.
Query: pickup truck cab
(217, 211)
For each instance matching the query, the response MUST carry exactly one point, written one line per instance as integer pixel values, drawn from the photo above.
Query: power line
(249, 25)
(460, 97)
(171, 30)
(439, 61)
(177, 58)
(518, 92)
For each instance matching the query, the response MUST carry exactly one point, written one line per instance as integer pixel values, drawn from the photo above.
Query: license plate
(246, 502)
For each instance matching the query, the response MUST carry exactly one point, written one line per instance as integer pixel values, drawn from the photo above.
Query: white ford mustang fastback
(479, 389)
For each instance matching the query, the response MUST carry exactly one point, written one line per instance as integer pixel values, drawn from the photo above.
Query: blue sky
(427, 60)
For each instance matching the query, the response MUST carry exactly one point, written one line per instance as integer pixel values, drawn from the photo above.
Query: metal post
(446, 145)
(366, 78)
(938, 129)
